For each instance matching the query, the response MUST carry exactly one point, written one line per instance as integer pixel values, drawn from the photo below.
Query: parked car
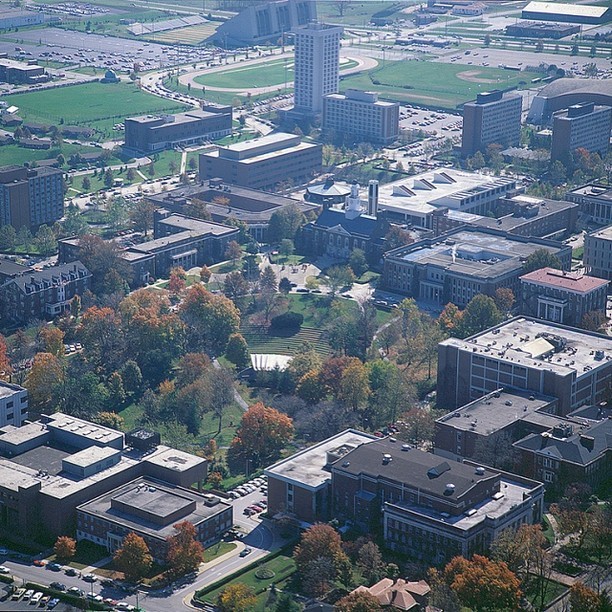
(70, 571)
(246, 551)
(58, 586)
(4, 570)
(53, 603)
(54, 567)
(90, 577)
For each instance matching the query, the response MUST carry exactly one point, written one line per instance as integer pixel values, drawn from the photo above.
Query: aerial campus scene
(305, 305)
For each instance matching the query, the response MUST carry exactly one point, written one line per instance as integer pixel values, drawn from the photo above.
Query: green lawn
(282, 566)
(355, 13)
(276, 72)
(98, 105)
(432, 83)
(553, 590)
(14, 154)
(217, 550)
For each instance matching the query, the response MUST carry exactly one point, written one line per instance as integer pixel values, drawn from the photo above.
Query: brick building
(43, 294)
(155, 133)
(524, 353)
(263, 163)
(31, 197)
(149, 508)
(560, 296)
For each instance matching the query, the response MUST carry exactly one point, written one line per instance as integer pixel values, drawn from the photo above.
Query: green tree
(45, 240)
(116, 391)
(355, 386)
(480, 313)
(109, 178)
(233, 251)
(237, 351)
(358, 262)
(141, 215)
(131, 377)
(370, 562)
(338, 277)
(286, 247)
(8, 238)
(541, 258)
(285, 223)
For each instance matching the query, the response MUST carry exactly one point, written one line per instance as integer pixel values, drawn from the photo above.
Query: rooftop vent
(449, 489)
(480, 470)
(387, 458)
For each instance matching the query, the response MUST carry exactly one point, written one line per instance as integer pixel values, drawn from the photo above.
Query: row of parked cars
(260, 484)
(35, 598)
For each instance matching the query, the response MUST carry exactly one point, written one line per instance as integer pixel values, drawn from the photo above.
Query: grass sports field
(433, 83)
(98, 105)
(258, 75)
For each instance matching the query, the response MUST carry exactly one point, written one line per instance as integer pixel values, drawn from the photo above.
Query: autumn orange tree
(320, 559)
(46, 372)
(101, 332)
(5, 362)
(51, 340)
(262, 434)
(237, 598)
(133, 558)
(483, 584)
(177, 282)
(184, 551)
(64, 548)
(358, 602)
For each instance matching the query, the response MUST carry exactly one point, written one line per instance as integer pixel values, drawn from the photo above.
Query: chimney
(373, 198)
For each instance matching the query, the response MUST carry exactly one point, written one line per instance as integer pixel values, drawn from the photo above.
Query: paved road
(260, 536)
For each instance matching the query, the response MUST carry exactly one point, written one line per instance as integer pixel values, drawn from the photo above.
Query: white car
(4, 570)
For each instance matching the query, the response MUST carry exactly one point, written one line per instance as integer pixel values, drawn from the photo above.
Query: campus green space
(97, 105)
(355, 13)
(268, 74)
(14, 154)
(434, 83)
(282, 567)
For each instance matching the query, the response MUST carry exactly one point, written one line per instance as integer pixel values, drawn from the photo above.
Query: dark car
(58, 586)
(71, 571)
(54, 567)
(107, 582)
(246, 551)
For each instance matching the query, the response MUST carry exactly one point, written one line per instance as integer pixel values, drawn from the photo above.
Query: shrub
(263, 573)
(288, 320)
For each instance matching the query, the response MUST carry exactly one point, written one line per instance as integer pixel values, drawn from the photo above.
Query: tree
(355, 386)
(286, 247)
(504, 299)
(593, 320)
(45, 240)
(237, 598)
(184, 551)
(233, 251)
(338, 277)
(557, 174)
(371, 562)
(110, 419)
(541, 258)
(309, 388)
(177, 282)
(358, 602)
(101, 332)
(45, 374)
(212, 319)
(64, 548)
(102, 257)
(205, 274)
(285, 223)
(477, 161)
(262, 434)
(487, 40)
(397, 237)
(109, 178)
(358, 263)
(539, 46)
(141, 215)
(116, 391)
(482, 584)
(235, 286)
(321, 541)
(237, 351)
(131, 376)
(51, 340)
(480, 313)
(5, 362)
(284, 285)
(8, 238)
(267, 280)
(133, 558)
(584, 599)
(450, 319)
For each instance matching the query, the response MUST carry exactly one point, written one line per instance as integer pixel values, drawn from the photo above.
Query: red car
(39, 563)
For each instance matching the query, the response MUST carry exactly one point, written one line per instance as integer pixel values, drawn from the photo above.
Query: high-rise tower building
(317, 61)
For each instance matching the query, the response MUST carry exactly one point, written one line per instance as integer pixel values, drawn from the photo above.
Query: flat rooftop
(570, 10)
(252, 156)
(157, 499)
(415, 468)
(173, 459)
(496, 410)
(196, 225)
(98, 434)
(513, 494)
(7, 389)
(604, 233)
(445, 187)
(178, 118)
(309, 466)
(568, 281)
(541, 345)
(474, 253)
(91, 455)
